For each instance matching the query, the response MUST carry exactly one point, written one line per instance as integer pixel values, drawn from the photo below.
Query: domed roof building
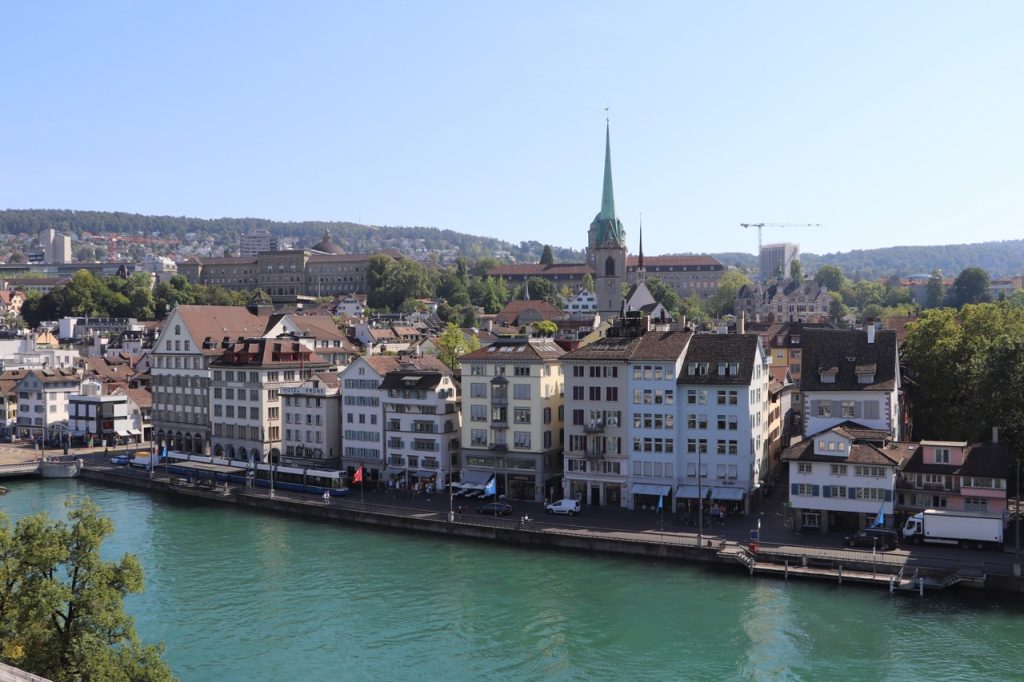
(327, 246)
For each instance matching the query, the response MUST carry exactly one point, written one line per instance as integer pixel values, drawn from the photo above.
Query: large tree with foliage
(724, 298)
(62, 606)
(970, 286)
(391, 282)
(935, 290)
(956, 361)
(830, 277)
(664, 294)
(453, 344)
(547, 257)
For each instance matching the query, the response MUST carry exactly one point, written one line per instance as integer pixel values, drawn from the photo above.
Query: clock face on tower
(609, 283)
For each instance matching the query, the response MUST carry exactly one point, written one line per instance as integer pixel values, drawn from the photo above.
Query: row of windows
(839, 491)
(519, 391)
(603, 467)
(841, 469)
(723, 422)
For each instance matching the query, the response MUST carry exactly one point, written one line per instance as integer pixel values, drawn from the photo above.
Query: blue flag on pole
(659, 501)
(880, 519)
(491, 487)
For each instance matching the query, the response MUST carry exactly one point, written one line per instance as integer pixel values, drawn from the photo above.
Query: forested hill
(352, 237)
(997, 258)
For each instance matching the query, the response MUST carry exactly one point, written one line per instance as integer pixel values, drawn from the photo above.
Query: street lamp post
(700, 504)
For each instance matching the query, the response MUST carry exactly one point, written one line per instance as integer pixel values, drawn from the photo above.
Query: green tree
(796, 271)
(62, 606)
(452, 344)
(544, 328)
(664, 294)
(547, 258)
(837, 309)
(542, 290)
(722, 301)
(693, 308)
(829, 276)
(588, 282)
(935, 290)
(970, 286)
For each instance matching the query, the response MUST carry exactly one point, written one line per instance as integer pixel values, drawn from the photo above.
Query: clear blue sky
(887, 122)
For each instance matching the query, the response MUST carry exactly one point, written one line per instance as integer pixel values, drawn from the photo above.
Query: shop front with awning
(647, 495)
(731, 497)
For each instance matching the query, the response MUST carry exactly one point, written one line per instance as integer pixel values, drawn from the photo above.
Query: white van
(570, 507)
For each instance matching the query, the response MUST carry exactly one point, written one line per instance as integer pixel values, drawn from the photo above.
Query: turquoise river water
(240, 595)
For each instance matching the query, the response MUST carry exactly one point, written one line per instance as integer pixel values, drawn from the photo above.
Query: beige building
(245, 400)
(512, 417)
(284, 275)
(192, 337)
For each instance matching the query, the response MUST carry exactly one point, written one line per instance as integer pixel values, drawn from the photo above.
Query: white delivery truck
(967, 529)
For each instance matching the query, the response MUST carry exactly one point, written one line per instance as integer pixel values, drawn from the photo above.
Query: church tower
(607, 245)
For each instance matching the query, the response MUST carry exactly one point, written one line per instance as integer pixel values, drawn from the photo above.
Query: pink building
(954, 475)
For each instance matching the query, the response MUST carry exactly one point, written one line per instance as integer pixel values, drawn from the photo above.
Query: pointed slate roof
(608, 227)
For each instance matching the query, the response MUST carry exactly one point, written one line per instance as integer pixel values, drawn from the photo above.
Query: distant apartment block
(776, 260)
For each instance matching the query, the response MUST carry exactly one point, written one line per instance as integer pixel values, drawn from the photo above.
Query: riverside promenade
(779, 552)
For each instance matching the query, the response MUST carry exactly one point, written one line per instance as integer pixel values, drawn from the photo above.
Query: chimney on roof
(871, 332)
(743, 323)
(995, 435)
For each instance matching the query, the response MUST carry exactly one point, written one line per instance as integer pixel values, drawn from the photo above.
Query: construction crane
(761, 226)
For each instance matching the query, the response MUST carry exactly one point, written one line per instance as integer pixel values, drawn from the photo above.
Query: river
(243, 595)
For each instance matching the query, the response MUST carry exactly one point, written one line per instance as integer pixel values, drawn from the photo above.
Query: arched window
(609, 267)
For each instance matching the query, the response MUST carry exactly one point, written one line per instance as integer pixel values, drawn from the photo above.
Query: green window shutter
(794, 489)
(851, 493)
(888, 496)
(815, 490)
(826, 491)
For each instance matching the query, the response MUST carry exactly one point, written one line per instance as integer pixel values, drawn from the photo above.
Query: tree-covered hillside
(997, 258)
(352, 237)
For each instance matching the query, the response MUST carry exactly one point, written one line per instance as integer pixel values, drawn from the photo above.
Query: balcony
(593, 454)
(499, 401)
(594, 426)
(499, 447)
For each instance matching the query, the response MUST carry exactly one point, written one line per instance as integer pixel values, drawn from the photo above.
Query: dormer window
(828, 374)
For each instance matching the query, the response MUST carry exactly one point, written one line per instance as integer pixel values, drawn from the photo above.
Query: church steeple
(607, 192)
(606, 249)
(641, 273)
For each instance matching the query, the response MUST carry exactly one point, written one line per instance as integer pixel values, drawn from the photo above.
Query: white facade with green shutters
(836, 475)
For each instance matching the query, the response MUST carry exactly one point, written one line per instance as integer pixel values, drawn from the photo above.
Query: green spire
(607, 195)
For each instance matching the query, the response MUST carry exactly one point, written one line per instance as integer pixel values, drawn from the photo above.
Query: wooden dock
(894, 580)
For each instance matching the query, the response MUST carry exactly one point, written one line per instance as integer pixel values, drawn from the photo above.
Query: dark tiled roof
(652, 345)
(411, 380)
(715, 348)
(988, 459)
(535, 350)
(673, 261)
(859, 453)
(845, 350)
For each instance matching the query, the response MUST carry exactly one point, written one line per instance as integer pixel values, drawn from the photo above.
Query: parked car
(880, 538)
(120, 459)
(566, 506)
(499, 508)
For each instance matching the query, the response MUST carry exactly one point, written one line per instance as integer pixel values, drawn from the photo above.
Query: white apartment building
(190, 338)
(421, 427)
(362, 412)
(43, 397)
(312, 421)
(723, 418)
(512, 417)
(852, 375)
(604, 401)
(654, 428)
(253, 243)
(838, 481)
(245, 400)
